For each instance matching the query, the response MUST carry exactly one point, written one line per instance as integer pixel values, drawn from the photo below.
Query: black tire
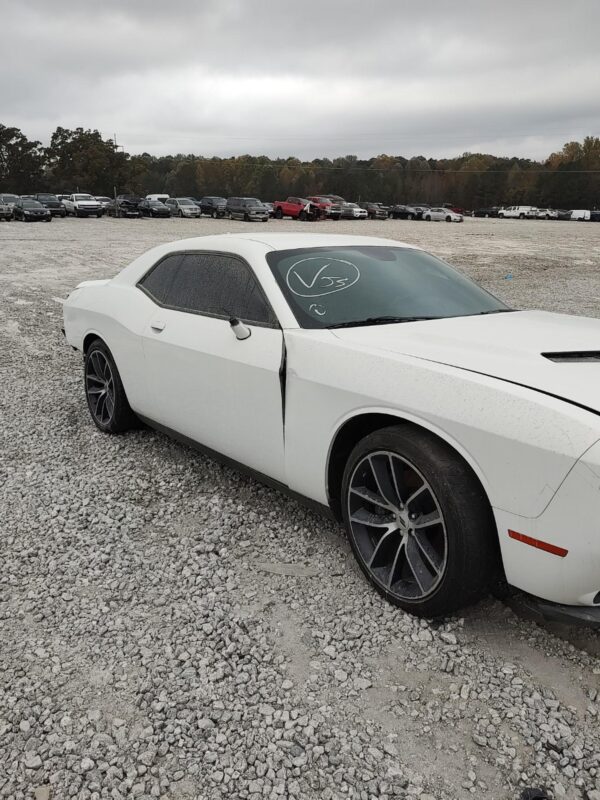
(466, 533)
(214, 215)
(279, 214)
(181, 214)
(410, 216)
(428, 218)
(246, 218)
(486, 215)
(229, 215)
(521, 216)
(303, 216)
(448, 219)
(120, 418)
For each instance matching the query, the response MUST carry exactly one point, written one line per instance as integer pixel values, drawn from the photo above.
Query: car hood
(508, 346)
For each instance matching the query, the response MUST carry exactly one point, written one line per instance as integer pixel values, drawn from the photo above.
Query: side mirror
(240, 330)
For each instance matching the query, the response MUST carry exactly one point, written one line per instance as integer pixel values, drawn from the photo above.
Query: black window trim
(275, 324)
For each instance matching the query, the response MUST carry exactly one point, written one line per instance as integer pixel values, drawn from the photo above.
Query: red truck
(329, 204)
(294, 207)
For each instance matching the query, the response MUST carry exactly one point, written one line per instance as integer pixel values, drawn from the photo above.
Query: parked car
(182, 207)
(518, 212)
(82, 205)
(330, 209)
(595, 216)
(353, 211)
(125, 207)
(408, 395)
(581, 215)
(546, 213)
(297, 208)
(400, 211)
(104, 201)
(51, 202)
(247, 209)
(28, 210)
(270, 208)
(162, 198)
(153, 208)
(376, 210)
(213, 206)
(6, 210)
(9, 200)
(487, 211)
(442, 215)
(564, 214)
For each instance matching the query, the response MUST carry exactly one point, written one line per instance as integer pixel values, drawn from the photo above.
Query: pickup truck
(294, 207)
(83, 205)
(330, 208)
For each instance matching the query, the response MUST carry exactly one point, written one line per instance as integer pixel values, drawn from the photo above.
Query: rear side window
(158, 282)
(213, 284)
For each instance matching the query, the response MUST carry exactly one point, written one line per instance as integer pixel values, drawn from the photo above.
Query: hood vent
(576, 357)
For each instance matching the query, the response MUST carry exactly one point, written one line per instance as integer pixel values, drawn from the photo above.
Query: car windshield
(31, 204)
(252, 202)
(155, 203)
(47, 197)
(83, 197)
(9, 198)
(184, 201)
(340, 286)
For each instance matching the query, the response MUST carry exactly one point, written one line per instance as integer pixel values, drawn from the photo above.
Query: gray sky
(325, 78)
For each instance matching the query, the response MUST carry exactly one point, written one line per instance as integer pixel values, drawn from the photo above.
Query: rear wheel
(303, 216)
(214, 215)
(428, 218)
(410, 216)
(279, 214)
(104, 390)
(418, 521)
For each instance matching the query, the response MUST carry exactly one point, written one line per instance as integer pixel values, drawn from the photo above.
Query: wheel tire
(214, 215)
(463, 545)
(303, 216)
(246, 218)
(486, 215)
(410, 216)
(521, 216)
(448, 219)
(279, 214)
(428, 219)
(181, 214)
(99, 366)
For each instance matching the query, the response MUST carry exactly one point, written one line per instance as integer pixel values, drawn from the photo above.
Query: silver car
(183, 207)
(441, 215)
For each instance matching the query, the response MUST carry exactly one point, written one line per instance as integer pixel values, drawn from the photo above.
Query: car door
(205, 383)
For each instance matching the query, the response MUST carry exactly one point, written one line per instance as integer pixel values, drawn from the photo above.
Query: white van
(161, 198)
(581, 215)
(518, 212)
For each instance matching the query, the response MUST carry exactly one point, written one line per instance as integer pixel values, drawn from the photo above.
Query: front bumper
(569, 576)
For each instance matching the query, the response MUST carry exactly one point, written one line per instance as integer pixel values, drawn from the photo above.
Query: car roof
(286, 241)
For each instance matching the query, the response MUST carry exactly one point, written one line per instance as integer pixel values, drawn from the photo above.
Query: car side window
(158, 282)
(213, 284)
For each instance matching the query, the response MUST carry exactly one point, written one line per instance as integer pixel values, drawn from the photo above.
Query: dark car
(594, 216)
(153, 208)
(563, 213)
(488, 211)
(376, 210)
(126, 205)
(28, 210)
(247, 208)
(52, 203)
(213, 206)
(405, 212)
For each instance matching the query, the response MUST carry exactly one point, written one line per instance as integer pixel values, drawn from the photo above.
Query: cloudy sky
(306, 78)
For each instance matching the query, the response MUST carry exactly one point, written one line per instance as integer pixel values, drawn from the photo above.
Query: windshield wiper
(377, 321)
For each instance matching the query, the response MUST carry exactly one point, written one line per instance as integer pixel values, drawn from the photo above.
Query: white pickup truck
(83, 205)
(518, 212)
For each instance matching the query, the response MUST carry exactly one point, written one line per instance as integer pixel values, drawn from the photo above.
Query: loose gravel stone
(144, 654)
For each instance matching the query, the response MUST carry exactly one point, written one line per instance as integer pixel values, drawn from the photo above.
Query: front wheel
(427, 218)
(303, 216)
(104, 390)
(279, 214)
(214, 215)
(419, 523)
(448, 219)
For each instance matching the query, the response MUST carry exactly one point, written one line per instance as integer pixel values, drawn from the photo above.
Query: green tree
(82, 160)
(21, 162)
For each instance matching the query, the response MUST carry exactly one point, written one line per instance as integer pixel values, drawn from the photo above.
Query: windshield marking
(320, 284)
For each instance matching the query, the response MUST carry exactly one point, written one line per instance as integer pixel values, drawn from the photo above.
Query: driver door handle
(158, 325)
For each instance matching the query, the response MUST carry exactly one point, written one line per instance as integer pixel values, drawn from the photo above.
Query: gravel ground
(172, 629)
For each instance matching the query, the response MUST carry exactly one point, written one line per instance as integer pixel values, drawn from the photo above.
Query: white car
(353, 211)
(581, 215)
(546, 213)
(441, 215)
(83, 205)
(458, 441)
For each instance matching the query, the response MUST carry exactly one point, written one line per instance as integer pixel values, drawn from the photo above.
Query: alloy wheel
(397, 526)
(100, 387)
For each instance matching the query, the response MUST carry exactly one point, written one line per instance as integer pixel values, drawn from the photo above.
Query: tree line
(82, 160)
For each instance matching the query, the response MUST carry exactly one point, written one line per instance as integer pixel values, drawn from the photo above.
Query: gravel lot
(172, 629)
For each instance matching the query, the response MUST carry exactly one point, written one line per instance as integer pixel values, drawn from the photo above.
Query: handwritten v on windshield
(314, 280)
